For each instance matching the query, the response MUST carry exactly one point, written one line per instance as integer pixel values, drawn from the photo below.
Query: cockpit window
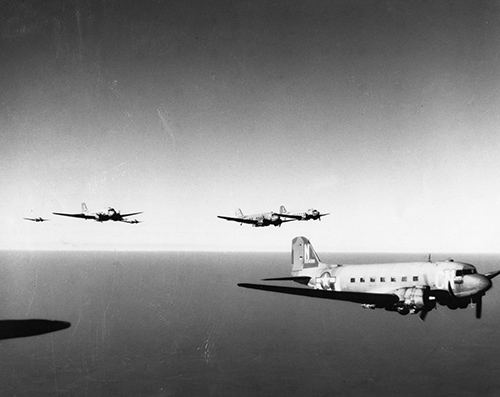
(463, 272)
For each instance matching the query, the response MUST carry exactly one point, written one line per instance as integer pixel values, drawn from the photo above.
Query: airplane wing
(240, 220)
(82, 216)
(30, 219)
(132, 213)
(357, 297)
(288, 215)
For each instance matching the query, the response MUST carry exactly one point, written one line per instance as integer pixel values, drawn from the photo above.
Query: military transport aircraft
(39, 219)
(257, 220)
(110, 215)
(301, 216)
(409, 287)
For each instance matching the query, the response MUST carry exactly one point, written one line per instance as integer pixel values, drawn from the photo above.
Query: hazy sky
(384, 113)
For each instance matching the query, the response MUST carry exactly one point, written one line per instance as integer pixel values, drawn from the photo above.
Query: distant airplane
(39, 219)
(110, 215)
(409, 287)
(257, 220)
(301, 216)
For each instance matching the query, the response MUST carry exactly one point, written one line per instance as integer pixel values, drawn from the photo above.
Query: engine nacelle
(412, 300)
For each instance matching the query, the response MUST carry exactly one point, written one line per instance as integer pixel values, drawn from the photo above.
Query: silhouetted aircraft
(257, 220)
(22, 328)
(39, 219)
(110, 215)
(301, 216)
(409, 287)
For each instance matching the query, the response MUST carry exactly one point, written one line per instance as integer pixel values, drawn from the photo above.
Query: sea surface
(176, 324)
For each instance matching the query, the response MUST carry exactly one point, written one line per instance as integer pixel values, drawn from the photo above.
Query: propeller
(479, 306)
(423, 314)
(450, 290)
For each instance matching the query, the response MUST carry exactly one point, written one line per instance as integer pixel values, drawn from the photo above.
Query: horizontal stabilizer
(357, 297)
(301, 279)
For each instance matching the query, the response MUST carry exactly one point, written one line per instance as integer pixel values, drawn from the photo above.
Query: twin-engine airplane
(257, 220)
(39, 219)
(409, 287)
(300, 216)
(110, 215)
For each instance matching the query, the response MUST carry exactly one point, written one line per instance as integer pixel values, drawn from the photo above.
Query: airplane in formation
(406, 288)
(273, 218)
(39, 219)
(257, 220)
(301, 216)
(110, 215)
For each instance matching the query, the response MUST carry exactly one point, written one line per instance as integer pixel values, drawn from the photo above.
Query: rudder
(303, 255)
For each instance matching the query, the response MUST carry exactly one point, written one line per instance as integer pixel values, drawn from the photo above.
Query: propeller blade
(423, 314)
(450, 290)
(479, 306)
(492, 274)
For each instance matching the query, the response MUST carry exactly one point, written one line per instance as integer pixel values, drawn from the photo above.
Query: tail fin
(303, 255)
(282, 209)
(239, 213)
(84, 208)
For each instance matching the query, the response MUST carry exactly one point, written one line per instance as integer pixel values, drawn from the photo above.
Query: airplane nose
(479, 282)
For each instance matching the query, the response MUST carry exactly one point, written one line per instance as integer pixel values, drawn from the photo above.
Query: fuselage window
(459, 273)
(372, 279)
(403, 279)
(393, 279)
(353, 280)
(382, 279)
(415, 278)
(361, 280)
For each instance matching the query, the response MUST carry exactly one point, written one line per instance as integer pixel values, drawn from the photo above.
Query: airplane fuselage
(408, 287)
(265, 219)
(413, 282)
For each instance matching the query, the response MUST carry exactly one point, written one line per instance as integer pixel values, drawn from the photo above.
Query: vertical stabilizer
(303, 255)
(84, 208)
(239, 213)
(282, 209)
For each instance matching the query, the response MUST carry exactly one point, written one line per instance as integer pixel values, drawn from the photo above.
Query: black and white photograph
(249, 198)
